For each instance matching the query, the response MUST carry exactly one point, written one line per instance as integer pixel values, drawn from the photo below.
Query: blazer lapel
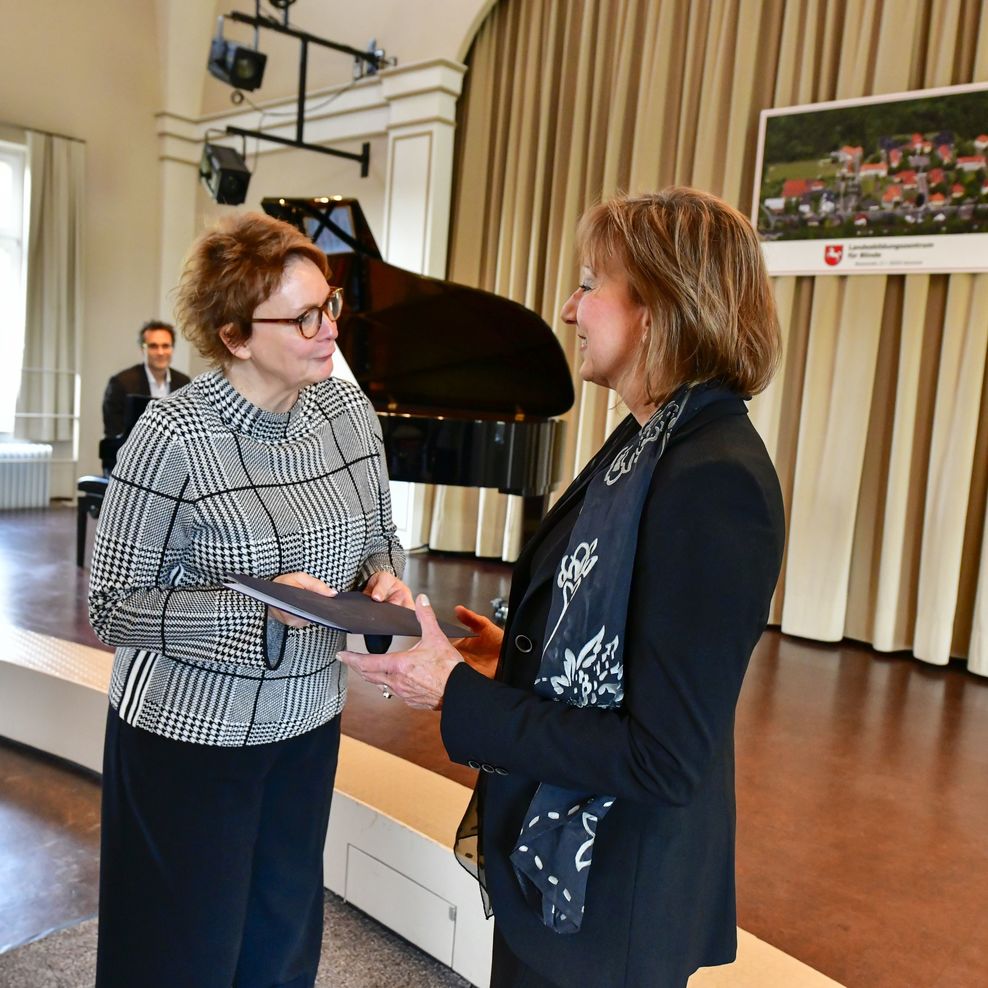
(523, 574)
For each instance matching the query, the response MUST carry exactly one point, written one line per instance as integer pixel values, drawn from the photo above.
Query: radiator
(24, 471)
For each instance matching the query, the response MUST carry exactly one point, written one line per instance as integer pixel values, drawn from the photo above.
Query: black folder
(348, 611)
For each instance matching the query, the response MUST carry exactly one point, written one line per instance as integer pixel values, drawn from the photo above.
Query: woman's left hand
(387, 587)
(304, 581)
(418, 675)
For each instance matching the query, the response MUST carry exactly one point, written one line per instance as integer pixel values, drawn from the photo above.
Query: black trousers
(509, 971)
(211, 860)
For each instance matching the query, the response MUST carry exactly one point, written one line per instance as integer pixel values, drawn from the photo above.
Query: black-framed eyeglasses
(309, 322)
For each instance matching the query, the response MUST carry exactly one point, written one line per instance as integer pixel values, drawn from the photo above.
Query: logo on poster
(833, 253)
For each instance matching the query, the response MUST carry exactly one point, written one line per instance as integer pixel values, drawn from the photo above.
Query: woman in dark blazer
(605, 805)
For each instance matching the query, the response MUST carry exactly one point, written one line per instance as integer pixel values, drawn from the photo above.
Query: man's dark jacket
(132, 381)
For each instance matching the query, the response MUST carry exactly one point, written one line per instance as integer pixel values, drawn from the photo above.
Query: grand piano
(466, 384)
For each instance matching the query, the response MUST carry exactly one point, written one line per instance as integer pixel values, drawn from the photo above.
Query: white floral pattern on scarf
(658, 427)
(573, 569)
(594, 677)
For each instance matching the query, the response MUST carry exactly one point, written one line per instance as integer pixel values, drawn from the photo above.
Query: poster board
(884, 184)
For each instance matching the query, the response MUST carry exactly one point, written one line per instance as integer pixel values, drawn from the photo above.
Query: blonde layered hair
(696, 264)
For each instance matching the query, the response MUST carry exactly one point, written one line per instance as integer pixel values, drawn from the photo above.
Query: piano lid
(423, 346)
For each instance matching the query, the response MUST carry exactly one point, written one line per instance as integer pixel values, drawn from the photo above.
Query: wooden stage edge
(391, 829)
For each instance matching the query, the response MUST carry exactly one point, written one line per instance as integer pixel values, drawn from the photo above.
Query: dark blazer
(660, 899)
(132, 381)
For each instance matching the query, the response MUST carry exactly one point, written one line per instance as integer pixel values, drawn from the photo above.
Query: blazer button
(523, 643)
(487, 768)
(500, 771)
(473, 764)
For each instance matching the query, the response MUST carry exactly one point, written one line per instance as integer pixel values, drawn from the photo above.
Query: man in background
(154, 378)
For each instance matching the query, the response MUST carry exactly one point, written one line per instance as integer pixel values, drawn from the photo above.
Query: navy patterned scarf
(582, 663)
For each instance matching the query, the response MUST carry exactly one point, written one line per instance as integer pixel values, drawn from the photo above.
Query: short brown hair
(155, 324)
(230, 270)
(696, 264)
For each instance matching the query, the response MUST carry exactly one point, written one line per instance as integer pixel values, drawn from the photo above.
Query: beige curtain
(875, 420)
(46, 403)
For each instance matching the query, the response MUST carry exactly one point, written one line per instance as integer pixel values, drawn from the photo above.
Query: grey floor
(357, 952)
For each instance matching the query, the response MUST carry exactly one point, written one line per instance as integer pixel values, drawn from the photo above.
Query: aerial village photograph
(892, 168)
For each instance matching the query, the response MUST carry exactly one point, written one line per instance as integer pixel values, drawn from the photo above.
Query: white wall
(90, 71)
(102, 72)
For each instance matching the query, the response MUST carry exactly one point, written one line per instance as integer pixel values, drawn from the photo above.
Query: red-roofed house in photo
(879, 170)
(796, 188)
(937, 199)
(946, 153)
(895, 158)
(917, 142)
(971, 162)
(892, 195)
(849, 158)
(981, 142)
(908, 179)
(935, 176)
(957, 190)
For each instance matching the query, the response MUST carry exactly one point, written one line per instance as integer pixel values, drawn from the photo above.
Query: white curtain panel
(53, 318)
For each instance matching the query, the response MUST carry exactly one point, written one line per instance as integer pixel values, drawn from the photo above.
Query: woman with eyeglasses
(223, 729)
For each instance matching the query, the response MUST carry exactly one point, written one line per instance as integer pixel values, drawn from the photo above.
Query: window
(13, 264)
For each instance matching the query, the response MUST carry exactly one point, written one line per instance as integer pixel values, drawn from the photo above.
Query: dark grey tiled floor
(357, 952)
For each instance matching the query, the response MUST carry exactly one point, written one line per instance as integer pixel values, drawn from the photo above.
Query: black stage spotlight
(236, 65)
(225, 174)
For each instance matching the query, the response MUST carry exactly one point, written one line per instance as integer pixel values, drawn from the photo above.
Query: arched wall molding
(478, 21)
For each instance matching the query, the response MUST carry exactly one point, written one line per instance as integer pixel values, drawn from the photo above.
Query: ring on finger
(386, 693)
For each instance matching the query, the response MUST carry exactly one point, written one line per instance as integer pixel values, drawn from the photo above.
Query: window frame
(14, 242)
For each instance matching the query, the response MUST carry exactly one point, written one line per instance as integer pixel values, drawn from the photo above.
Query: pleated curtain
(53, 317)
(876, 420)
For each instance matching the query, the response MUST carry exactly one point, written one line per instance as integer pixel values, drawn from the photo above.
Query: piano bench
(90, 499)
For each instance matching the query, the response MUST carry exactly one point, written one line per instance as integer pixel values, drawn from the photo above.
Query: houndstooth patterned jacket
(207, 485)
